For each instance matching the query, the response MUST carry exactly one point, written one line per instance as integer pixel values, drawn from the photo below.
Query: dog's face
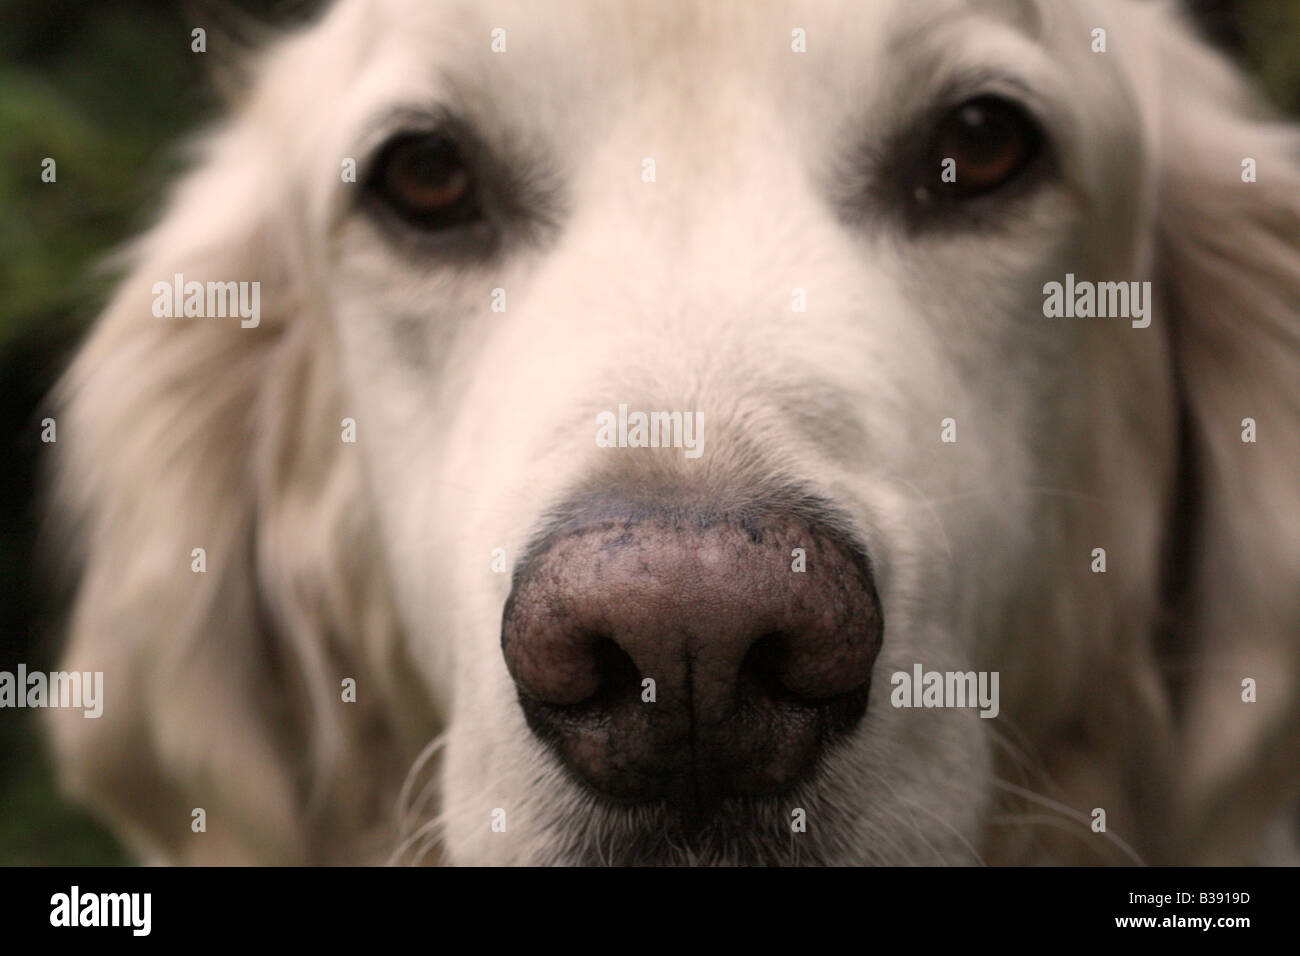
(676, 210)
(813, 247)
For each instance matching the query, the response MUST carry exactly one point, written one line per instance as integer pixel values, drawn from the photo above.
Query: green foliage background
(107, 87)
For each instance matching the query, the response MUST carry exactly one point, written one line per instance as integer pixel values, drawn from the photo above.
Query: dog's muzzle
(677, 654)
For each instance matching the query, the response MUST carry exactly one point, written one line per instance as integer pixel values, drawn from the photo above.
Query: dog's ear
(1228, 260)
(228, 584)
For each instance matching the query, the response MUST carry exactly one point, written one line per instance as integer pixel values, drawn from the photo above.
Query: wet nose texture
(756, 667)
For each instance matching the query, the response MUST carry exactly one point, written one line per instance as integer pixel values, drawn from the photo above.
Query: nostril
(760, 671)
(557, 718)
(608, 675)
(767, 669)
(617, 672)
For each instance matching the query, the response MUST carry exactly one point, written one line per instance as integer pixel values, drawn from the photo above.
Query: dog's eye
(983, 144)
(424, 179)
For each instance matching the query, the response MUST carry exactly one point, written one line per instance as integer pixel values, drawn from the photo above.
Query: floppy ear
(222, 682)
(1229, 263)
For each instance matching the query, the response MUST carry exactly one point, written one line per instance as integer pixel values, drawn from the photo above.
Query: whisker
(404, 807)
(1072, 814)
(421, 832)
(915, 827)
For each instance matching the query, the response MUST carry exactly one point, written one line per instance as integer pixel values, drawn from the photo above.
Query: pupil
(972, 116)
(985, 138)
(429, 163)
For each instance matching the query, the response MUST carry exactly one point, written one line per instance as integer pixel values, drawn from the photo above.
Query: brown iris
(424, 178)
(990, 139)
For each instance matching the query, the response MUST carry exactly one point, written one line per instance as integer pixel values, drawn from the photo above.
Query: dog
(678, 433)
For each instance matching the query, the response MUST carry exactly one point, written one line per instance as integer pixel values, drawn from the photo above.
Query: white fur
(329, 560)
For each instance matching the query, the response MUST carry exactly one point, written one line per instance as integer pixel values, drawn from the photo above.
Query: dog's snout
(691, 655)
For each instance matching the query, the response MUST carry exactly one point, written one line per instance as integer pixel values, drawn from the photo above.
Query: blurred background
(108, 88)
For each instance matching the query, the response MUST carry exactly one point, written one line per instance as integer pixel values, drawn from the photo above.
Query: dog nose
(691, 656)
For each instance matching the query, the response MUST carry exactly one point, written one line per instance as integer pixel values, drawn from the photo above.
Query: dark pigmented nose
(678, 655)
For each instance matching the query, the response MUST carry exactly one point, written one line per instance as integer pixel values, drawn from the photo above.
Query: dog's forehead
(566, 70)
(654, 28)
(594, 42)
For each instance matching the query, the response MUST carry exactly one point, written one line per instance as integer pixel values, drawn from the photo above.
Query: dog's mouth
(735, 831)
